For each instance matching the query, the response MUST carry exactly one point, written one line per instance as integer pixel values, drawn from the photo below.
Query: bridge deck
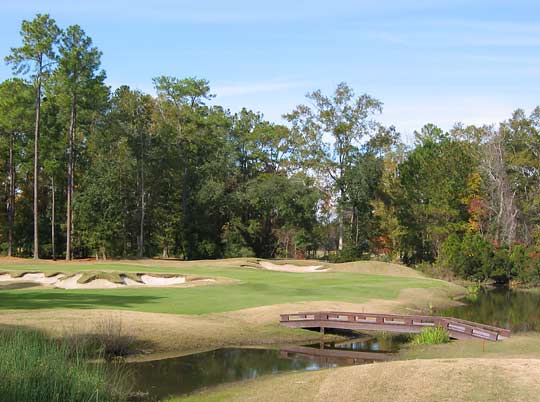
(457, 328)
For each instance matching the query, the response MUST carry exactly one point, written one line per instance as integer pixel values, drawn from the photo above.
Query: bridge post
(322, 330)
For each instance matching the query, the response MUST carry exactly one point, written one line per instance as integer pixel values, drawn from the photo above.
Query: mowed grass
(252, 288)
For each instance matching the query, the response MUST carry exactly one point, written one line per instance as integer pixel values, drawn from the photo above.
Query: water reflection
(190, 373)
(505, 308)
(386, 343)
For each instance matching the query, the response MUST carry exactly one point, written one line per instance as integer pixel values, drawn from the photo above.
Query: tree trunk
(71, 159)
(53, 211)
(143, 202)
(36, 157)
(11, 197)
(340, 221)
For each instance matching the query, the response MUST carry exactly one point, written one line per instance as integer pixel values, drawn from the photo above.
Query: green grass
(431, 336)
(253, 288)
(35, 368)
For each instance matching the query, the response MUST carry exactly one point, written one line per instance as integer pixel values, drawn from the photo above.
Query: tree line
(90, 171)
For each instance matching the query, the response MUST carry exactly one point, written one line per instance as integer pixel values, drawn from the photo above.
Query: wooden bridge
(457, 328)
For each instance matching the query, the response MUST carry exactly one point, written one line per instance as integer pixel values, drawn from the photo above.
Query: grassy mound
(405, 381)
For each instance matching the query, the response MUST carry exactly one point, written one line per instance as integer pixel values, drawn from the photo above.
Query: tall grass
(431, 336)
(36, 368)
(106, 340)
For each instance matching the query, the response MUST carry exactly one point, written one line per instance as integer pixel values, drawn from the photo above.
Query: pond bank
(182, 375)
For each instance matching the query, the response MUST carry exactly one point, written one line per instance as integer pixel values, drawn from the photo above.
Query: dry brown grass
(176, 334)
(487, 380)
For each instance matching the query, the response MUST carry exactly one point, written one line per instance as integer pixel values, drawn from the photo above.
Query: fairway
(251, 288)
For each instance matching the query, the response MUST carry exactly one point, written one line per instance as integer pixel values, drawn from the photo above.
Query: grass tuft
(431, 336)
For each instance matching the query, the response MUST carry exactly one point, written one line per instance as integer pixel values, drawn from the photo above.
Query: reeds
(36, 368)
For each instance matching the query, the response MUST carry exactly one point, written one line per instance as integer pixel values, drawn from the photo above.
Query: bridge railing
(412, 322)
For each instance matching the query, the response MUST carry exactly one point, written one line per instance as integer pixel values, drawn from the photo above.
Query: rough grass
(89, 276)
(404, 381)
(523, 345)
(35, 368)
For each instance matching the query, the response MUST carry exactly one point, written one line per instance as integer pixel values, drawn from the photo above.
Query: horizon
(443, 64)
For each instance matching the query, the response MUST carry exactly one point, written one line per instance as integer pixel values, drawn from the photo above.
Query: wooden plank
(460, 329)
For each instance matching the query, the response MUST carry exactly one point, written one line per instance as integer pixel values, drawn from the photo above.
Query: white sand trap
(6, 278)
(72, 282)
(130, 282)
(41, 278)
(162, 281)
(37, 277)
(291, 267)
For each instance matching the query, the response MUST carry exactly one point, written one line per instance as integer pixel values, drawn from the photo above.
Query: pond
(516, 310)
(502, 307)
(186, 374)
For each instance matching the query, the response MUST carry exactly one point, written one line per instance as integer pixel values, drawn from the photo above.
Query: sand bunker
(64, 281)
(162, 281)
(291, 267)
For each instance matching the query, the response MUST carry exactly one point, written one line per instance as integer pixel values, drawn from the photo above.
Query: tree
(433, 184)
(39, 37)
(15, 104)
(81, 84)
(131, 117)
(333, 129)
(181, 113)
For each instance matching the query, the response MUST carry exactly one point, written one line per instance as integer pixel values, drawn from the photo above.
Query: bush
(36, 368)
(107, 341)
(437, 271)
(431, 336)
(471, 257)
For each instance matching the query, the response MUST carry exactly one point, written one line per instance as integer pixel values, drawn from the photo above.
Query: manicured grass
(253, 288)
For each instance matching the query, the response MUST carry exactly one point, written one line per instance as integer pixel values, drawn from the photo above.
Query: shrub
(472, 292)
(431, 336)
(438, 271)
(108, 341)
(471, 257)
(36, 368)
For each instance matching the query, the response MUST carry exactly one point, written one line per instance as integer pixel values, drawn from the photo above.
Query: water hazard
(502, 307)
(186, 374)
(515, 310)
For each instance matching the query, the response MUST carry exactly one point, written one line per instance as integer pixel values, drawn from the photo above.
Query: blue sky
(428, 61)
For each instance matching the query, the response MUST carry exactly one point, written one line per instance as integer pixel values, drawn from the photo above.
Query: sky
(437, 61)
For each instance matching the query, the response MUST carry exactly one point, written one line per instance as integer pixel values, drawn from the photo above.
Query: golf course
(236, 303)
(241, 305)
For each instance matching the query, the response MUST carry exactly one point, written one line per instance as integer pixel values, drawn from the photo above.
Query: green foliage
(431, 336)
(177, 175)
(471, 257)
(39, 37)
(472, 292)
(35, 368)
